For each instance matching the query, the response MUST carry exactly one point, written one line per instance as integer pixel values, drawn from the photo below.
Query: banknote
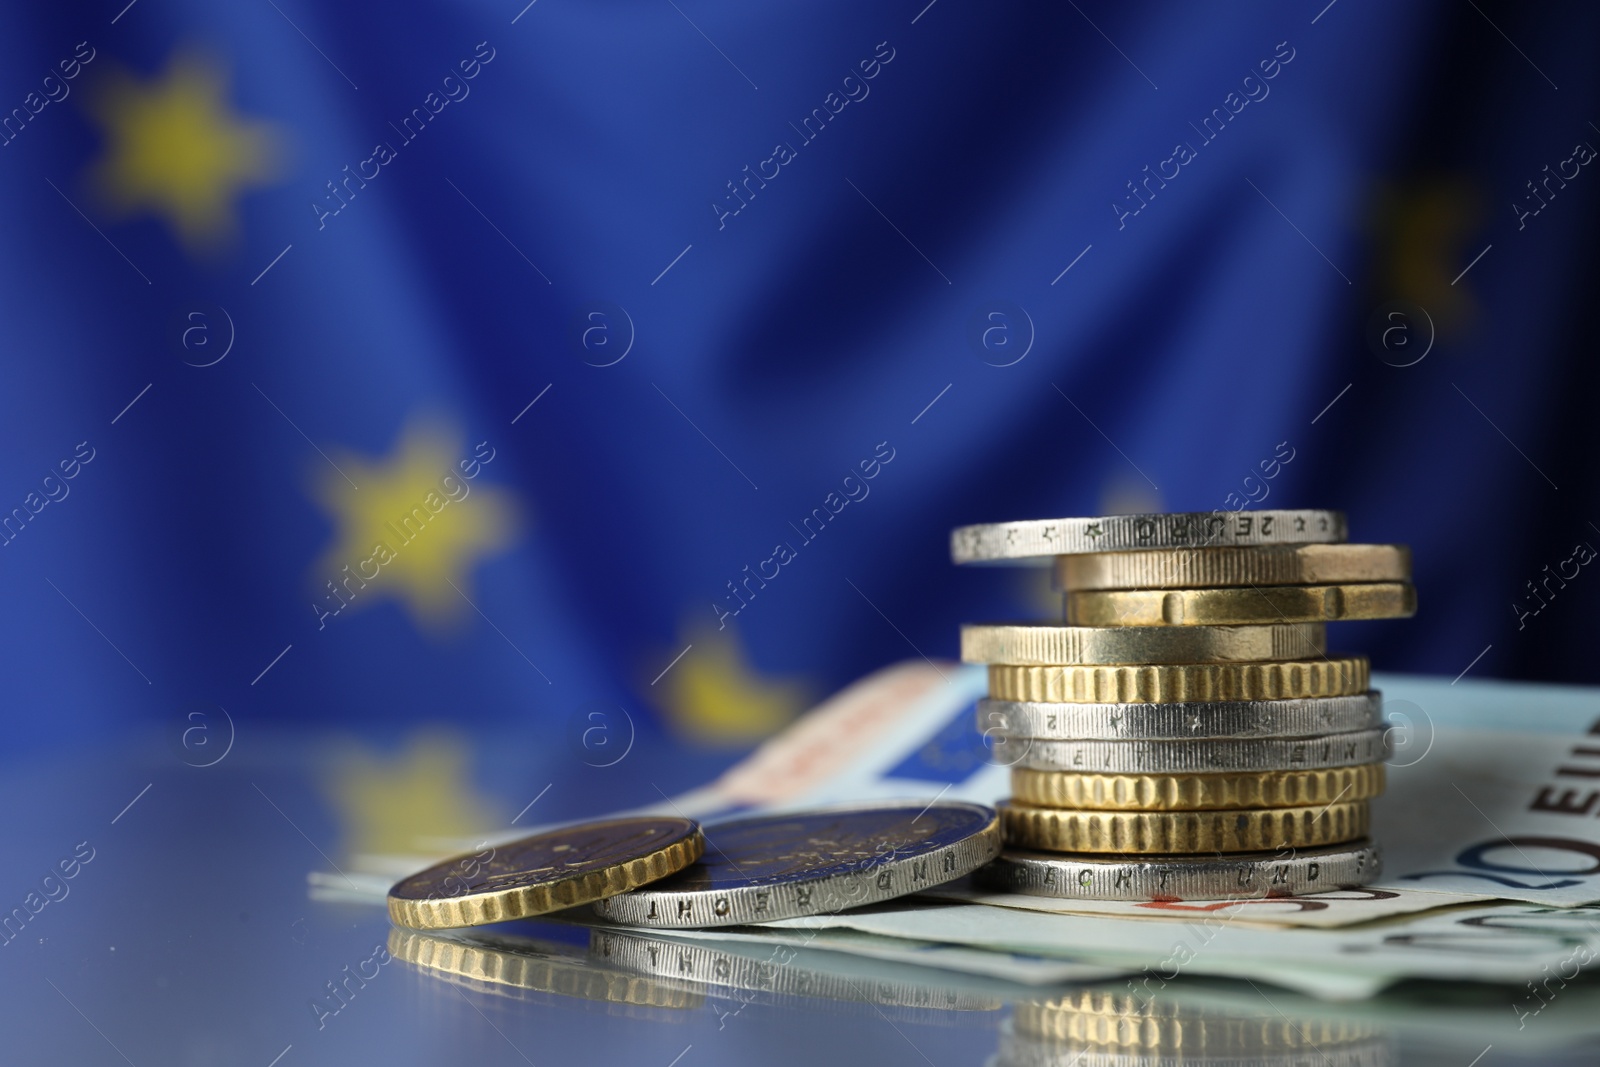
(1494, 788)
(1345, 907)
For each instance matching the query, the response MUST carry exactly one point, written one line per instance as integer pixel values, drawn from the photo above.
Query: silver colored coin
(815, 863)
(1040, 540)
(1241, 876)
(1207, 754)
(776, 971)
(1014, 719)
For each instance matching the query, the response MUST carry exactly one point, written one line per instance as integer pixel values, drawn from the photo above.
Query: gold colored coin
(1177, 683)
(1183, 832)
(1195, 792)
(1046, 645)
(546, 872)
(1242, 607)
(1209, 568)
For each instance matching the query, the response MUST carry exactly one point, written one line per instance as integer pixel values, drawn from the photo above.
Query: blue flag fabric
(505, 363)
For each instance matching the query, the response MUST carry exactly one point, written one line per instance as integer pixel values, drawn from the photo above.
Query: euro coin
(1011, 719)
(1038, 540)
(1181, 683)
(1209, 568)
(1047, 645)
(1237, 608)
(1242, 876)
(546, 872)
(1183, 832)
(1195, 792)
(1203, 755)
(815, 862)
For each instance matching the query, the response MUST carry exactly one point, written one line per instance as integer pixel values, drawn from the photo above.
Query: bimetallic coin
(1045, 645)
(1195, 792)
(1242, 607)
(1284, 873)
(546, 872)
(1209, 568)
(1037, 540)
(1207, 755)
(814, 863)
(1183, 832)
(1181, 683)
(1238, 718)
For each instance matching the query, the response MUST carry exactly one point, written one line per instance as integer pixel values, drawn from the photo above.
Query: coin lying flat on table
(1183, 832)
(1195, 792)
(815, 862)
(1037, 540)
(1238, 608)
(1234, 718)
(1244, 876)
(1209, 568)
(1182, 683)
(1031, 644)
(546, 872)
(1206, 754)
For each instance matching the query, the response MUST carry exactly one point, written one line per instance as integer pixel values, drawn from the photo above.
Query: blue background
(842, 307)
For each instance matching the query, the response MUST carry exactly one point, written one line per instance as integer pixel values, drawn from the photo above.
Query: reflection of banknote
(1013, 968)
(1498, 943)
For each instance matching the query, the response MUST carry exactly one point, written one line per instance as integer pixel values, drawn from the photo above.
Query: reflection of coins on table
(776, 970)
(1206, 755)
(1038, 540)
(815, 862)
(1195, 792)
(1159, 1027)
(1049, 645)
(1237, 718)
(1257, 605)
(546, 872)
(1182, 683)
(1287, 872)
(1022, 1050)
(1207, 568)
(525, 964)
(1183, 832)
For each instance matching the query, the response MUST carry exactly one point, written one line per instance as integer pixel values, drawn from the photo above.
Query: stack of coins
(1184, 732)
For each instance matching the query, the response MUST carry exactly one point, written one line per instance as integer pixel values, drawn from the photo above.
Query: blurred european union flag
(489, 363)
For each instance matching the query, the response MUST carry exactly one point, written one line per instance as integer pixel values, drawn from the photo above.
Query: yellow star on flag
(1424, 232)
(176, 150)
(406, 802)
(716, 697)
(410, 528)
